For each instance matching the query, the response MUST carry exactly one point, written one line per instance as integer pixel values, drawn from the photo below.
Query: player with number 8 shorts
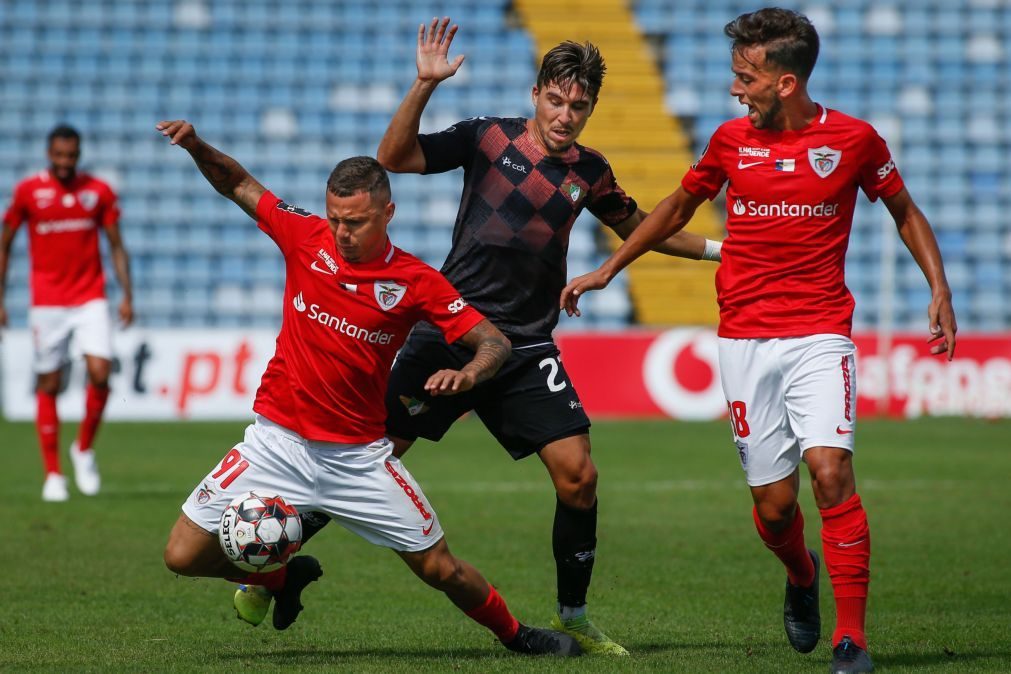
(793, 168)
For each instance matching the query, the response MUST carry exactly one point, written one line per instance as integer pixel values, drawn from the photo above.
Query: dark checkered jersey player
(525, 183)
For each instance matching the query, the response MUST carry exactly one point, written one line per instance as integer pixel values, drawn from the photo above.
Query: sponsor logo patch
(293, 209)
(786, 165)
(753, 152)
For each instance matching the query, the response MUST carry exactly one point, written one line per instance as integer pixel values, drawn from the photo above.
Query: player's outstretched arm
(399, 150)
(491, 349)
(121, 265)
(667, 219)
(919, 239)
(680, 244)
(224, 174)
(6, 239)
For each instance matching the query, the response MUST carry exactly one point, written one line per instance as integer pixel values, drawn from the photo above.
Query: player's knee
(442, 571)
(579, 488)
(178, 560)
(48, 384)
(776, 516)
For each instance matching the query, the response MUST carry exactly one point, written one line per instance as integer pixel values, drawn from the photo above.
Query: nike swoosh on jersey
(843, 431)
(425, 532)
(316, 268)
(742, 165)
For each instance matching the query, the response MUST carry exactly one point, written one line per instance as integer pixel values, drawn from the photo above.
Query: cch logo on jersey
(824, 160)
(388, 294)
(88, 199)
(293, 209)
(886, 169)
(572, 190)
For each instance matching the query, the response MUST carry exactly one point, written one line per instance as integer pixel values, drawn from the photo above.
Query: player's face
(63, 156)
(560, 115)
(757, 85)
(359, 224)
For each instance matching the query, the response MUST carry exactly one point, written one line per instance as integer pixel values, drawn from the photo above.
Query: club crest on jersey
(388, 294)
(573, 191)
(88, 199)
(824, 160)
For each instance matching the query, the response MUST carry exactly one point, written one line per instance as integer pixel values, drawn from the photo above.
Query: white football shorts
(89, 324)
(786, 395)
(363, 487)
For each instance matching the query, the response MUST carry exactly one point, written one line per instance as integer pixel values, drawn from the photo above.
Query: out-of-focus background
(289, 88)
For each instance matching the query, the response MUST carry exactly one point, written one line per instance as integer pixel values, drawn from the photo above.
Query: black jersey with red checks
(517, 209)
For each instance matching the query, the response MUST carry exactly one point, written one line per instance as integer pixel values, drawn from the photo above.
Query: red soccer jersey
(790, 201)
(63, 222)
(342, 326)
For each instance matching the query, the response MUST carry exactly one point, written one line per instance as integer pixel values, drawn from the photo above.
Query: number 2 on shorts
(234, 462)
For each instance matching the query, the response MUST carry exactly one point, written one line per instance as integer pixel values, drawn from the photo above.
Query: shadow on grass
(942, 658)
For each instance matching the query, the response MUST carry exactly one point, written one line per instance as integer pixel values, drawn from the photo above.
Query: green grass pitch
(681, 579)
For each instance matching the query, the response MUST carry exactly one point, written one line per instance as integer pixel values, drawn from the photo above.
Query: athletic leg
(47, 427)
(471, 593)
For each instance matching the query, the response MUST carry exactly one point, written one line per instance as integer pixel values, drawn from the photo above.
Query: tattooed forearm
(491, 349)
(221, 171)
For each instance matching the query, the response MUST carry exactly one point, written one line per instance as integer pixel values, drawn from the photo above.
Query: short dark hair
(63, 131)
(573, 63)
(359, 174)
(789, 38)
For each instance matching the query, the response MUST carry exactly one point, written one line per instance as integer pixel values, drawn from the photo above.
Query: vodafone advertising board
(213, 374)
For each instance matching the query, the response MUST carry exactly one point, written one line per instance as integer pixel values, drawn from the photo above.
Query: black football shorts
(528, 404)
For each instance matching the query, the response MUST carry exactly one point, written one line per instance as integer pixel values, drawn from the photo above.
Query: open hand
(433, 50)
(449, 382)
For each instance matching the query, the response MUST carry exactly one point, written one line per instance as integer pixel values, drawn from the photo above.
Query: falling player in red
(350, 300)
(65, 210)
(793, 168)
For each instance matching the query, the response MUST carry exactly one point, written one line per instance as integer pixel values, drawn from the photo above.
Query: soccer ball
(260, 533)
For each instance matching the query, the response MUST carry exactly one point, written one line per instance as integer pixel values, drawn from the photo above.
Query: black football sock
(574, 540)
(312, 522)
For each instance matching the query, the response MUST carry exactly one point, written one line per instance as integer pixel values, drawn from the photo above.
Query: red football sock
(272, 580)
(495, 615)
(789, 546)
(47, 425)
(847, 543)
(94, 404)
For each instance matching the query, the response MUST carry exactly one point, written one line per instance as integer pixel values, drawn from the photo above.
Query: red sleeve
(110, 207)
(706, 177)
(17, 211)
(443, 307)
(287, 225)
(879, 177)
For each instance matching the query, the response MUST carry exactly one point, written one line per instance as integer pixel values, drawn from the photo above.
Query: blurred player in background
(65, 210)
(525, 183)
(350, 300)
(786, 359)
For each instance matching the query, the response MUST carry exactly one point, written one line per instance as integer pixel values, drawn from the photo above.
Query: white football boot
(85, 470)
(55, 488)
